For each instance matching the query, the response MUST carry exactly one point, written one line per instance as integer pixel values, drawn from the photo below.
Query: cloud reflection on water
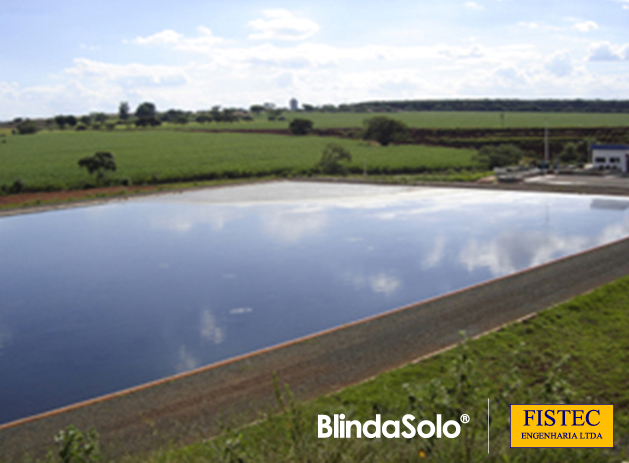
(210, 331)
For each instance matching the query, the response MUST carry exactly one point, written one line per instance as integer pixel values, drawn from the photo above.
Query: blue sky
(83, 56)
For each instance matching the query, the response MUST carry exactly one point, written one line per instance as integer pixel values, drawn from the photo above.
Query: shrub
(17, 186)
(98, 163)
(76, 446)
(27, 127)
(300, 126)
(332, 155)
(573, 152)
(385, 130)
(498, 156)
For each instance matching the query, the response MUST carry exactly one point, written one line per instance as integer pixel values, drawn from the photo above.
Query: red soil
(44, 197)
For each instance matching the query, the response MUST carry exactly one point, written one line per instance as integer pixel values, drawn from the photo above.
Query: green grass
(432, 120)
(48, 160)
(578, 350)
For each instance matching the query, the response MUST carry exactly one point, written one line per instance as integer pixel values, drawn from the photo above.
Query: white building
(610, 157)
(293, 104)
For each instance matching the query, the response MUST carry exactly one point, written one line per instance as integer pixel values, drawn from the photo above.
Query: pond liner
(193, 405)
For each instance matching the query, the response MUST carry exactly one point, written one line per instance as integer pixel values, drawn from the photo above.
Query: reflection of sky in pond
(97, 299)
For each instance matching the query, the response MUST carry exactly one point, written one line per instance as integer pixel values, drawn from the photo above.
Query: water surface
(97, 299)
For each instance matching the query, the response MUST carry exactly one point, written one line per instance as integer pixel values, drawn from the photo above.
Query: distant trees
(99, 163)
(498, 156)
(148, 122)
(124, 111)
(385, 130)
(256, 109)
(146, 115)
(496, 105)
(203, 118)
(100, 117)
(62, 121)
(300, 126)
(26, 127)
(176, 116)
(145, 110)
(332, 155)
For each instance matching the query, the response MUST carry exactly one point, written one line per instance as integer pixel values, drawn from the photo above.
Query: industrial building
(610, 157)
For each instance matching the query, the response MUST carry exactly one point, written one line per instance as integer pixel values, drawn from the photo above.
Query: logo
(337, 427)
(562, 426)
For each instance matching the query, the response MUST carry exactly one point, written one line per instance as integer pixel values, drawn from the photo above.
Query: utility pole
(546, 150)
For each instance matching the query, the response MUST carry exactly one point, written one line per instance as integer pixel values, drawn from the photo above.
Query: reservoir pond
(102, 298)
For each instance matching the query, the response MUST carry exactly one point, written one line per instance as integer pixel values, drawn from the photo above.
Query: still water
(97, 299)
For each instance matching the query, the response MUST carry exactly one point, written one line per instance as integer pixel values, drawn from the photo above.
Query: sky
(77, 57)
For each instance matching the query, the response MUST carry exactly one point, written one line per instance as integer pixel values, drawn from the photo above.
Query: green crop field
(434, 120)
(48, 160)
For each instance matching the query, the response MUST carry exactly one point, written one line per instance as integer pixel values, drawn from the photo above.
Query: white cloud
(279, 24)
(167, 36)
(205, 41)
(474, 51)
(560, 64)
(128, 75)
(538, 26)
(474, 6)
(585, 26)
(625, 4)
(605, 51)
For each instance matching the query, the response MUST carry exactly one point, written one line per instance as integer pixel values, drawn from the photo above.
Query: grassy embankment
(577, 352)
(48, 161)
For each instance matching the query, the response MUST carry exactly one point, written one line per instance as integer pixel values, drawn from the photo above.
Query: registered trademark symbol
(465, 418)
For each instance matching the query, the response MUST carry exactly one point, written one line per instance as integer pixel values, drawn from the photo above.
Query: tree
(332, 155)
(27, 127)
(60, 121)
(216, 113)
(86, 120)
(573, 152)
(300, 126)
(148, 122)
(145, 110)
(385, 130)
(498, 156)
(202, 118)
(100, 162)
(256, 109)
(100, 117)
(229, 115)
(123, 111)
(71, 121)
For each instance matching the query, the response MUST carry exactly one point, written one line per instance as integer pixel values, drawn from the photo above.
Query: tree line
(499, 105)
